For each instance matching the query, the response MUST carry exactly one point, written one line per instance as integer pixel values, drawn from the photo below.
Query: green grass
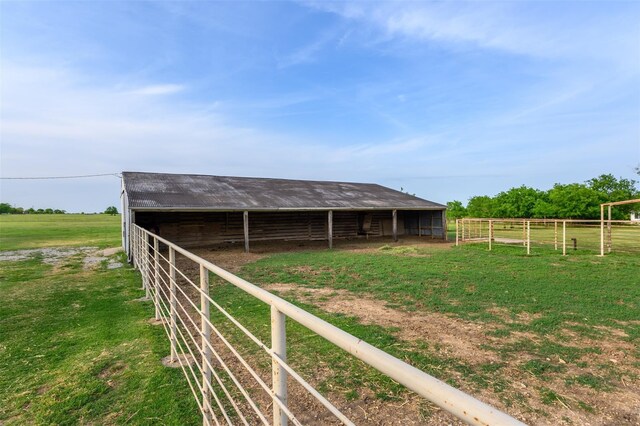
(75, 349)
(578, 293)
(69, 230)
(469, 281)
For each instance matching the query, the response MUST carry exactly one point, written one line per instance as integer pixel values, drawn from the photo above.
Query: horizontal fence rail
(563, 235)
(218, 380)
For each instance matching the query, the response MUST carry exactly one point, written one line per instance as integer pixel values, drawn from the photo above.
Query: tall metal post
(205, 329)
(145, 264)
(609, 242)
(156, 267)
(490, 234)
(457, 235)
(601, 229)
(279, 374)
(394, 225)
(173, 303)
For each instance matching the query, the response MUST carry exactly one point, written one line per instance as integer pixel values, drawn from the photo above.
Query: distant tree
(517, 202)
(480, 206)
(112, 210)
(613, 189)
(576, 201)
(31, 210)
(456, 210)
(58, 211)
(40, 211)
(5, 208)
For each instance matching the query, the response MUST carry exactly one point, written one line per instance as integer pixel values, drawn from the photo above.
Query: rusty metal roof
(164, 191)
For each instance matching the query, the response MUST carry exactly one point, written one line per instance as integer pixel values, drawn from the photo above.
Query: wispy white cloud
(158, 89)
(514, 27)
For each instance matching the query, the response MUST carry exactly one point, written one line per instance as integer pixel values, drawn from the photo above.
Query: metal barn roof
(164, 191)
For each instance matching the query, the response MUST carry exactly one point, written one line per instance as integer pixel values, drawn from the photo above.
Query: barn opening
(202, 210)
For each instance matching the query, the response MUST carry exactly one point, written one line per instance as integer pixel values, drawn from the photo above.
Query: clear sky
(444, 99)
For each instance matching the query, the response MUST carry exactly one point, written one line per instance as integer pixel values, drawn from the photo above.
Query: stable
(202, 210)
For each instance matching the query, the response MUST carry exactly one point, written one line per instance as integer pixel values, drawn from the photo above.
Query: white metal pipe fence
(621, 236)
(219, 391)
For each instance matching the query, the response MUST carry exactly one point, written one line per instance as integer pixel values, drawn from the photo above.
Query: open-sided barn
(200, 210)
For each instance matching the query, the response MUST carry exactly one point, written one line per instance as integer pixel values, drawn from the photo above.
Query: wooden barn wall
(206, 228)
(424, 223)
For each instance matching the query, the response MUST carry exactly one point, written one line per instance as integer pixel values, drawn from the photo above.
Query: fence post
(528, 237)
(564, 237)
(279, 375)
(457, 236)
(609, 242)
(601, 229)
(524, 232)
(156, 276)
(555, 235)
(145, 262)
(173, 303)
(490, 233)
(205, 329)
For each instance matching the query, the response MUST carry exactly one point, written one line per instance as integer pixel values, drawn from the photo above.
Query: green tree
(112, 210)
(480, 206)
(455, 210)
(517, 202)
(614, 189)
(576, 201)
(5, 208)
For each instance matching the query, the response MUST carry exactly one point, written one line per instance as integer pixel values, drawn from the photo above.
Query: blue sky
(444, 99)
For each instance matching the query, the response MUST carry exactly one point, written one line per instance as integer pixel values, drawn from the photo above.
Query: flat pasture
(546, 338)
(29, 231)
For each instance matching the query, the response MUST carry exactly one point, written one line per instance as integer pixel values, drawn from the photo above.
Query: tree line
(6, 208)
(563, 201)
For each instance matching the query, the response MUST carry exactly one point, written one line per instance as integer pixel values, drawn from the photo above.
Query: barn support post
(205, 330)
(528, 237)
(445, 227)
(278, 373)
(156, 276)
(564, 237)
(394, 225)
(173, 303)
(245, 220)
(601, 229)
(330, 228)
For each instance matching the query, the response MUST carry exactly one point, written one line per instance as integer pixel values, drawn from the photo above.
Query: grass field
(550, 339)
(553, 340)
(29, 231)
(74, 348)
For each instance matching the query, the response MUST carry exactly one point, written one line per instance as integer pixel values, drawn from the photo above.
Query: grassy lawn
(74, 348)
(19, 232)
(575, 310)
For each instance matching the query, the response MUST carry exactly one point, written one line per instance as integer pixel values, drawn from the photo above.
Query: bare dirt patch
(458, 338)
(468, 341)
